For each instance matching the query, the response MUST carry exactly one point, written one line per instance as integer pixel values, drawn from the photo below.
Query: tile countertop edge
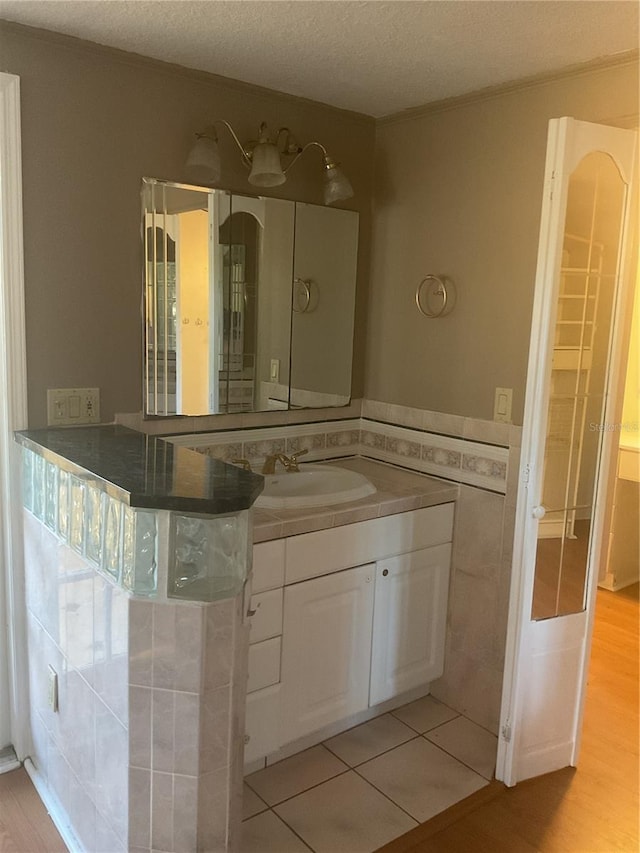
(146, 472)
(398, 491)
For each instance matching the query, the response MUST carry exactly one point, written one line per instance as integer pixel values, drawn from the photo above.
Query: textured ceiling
(376, 57)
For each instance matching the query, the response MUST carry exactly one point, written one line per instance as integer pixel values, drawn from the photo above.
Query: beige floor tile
(421, 779)
(469, 743)
(345, 815)
(294, 775)
(266, 833)
(424, 714)
(251, 803)
(370, 739)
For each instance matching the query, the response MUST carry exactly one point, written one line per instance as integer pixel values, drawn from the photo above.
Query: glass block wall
(208, 558)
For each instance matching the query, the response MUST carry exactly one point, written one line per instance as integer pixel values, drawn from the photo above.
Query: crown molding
(252, 90)
(630, 57)
(125, 57)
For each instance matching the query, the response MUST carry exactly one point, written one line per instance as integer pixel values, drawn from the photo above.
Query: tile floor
(359, 790)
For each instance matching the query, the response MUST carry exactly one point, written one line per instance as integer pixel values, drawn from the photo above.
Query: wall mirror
(249, 301)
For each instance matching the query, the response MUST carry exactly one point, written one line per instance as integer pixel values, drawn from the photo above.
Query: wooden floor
(561, 567)
(590, 810)
(25, 826)
(593, 809)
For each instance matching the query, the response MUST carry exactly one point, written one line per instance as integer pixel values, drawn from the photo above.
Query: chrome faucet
(289, 463)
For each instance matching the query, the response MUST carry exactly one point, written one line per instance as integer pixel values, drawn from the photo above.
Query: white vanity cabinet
(410, 609)
(326, 655)
(363, 620)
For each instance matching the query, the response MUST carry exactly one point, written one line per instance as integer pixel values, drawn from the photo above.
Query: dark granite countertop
(145, 471)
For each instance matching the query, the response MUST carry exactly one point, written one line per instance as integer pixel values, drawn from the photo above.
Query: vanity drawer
(310, 555)
(266, 622)
(261, 723)
(264, 664)
(268, 565)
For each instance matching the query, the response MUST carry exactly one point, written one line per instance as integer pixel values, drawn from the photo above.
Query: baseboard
(8, 760)
(52, 804)
(550, 529)
(306, 742)
(535, 763)
(611, 583)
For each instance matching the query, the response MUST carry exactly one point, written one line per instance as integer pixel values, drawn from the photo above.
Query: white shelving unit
(575, 330)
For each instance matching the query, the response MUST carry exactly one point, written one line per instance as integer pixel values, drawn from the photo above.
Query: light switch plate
(73, 406)
(502, 405)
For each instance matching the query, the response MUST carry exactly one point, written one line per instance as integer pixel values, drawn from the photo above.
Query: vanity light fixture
(269, 158)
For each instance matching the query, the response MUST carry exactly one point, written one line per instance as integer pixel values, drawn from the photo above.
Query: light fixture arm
(289, 148)
(327, 159)
(211, 132)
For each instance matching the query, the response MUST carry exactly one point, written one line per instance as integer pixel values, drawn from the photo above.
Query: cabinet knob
(385, 572)
(247, 738)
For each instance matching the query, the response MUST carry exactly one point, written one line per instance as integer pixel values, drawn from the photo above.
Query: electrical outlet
(73, 406)
(52, 690)
(502, 405)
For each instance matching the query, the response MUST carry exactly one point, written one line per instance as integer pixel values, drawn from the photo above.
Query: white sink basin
(313, 485)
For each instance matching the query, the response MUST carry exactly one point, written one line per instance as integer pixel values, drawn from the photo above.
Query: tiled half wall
(144, 751)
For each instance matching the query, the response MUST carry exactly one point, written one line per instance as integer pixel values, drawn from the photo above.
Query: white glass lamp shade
(266, 168)
(336, 184)
(203, 162)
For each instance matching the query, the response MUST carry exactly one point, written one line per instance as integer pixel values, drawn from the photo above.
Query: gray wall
(458, 192)
(321, 337)
(94, 122)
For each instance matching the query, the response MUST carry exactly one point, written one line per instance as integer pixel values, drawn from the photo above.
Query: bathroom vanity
(137, 571)
(349, 620)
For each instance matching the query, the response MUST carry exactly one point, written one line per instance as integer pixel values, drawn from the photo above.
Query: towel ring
(306, 286)
(436, 286)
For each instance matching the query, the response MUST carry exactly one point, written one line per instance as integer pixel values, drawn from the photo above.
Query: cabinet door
(326, 650)
(409, 623)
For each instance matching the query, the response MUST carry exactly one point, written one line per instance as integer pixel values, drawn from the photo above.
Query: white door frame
(13, 415)
(574, 636)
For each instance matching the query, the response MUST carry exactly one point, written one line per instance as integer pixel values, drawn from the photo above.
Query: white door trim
(13, 412)
(521, 584)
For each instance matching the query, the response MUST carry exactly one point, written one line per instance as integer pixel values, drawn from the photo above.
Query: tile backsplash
(460, 449)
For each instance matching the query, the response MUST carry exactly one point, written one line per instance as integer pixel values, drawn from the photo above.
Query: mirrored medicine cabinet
(249, 301)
